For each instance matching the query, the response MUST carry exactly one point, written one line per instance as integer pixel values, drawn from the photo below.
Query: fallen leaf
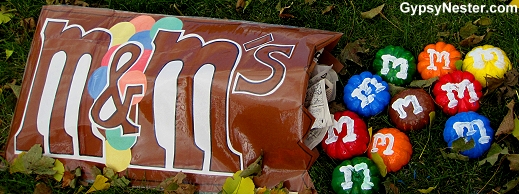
(310, 2)
(390, 187)
(514, 161)
(328, 9)
(4, 15)
(120, 182)
(493, 154)
(99, 184)
(3, 164)
(380, 163)
(423, 83)
(28, 24)
(443, 34)
(95, 171)
(109, 173)
(60, 170)
(459, 145)
(511, 77)
(336, 107)
(263, 1)
(81, 3)
(372, 13)
(255, 168)
(8, 53)
(510, 185)
(394, 89)
(483, 21)
(33, 162)
(67, 179)
(42, 188)
(16, 88)
(351, 52)
(471, 40)
(459, 65)
(507, 125)
(430, 189)
(240, 4)
(515, 2)
(516, 128)
(238, 184)
(50, 2)
(493, 83)
(432, 116)
(468, 30)
(282, 10)
(455, 156)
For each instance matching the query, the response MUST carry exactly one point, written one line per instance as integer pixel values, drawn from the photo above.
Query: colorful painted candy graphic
(366, 94)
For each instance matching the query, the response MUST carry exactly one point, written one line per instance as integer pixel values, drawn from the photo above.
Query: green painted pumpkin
(395, 65)
(358, 175)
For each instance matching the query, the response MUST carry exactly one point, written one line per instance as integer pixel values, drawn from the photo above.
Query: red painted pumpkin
(393, 146)
(457, 92)
(348, 137)
(410, 108)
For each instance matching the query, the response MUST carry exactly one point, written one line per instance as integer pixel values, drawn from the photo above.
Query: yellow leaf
(60, 170)
(432, 116)
(246, 186)
(380, 163)
(516, 128)
(8, 53)
(99, 184)
(430, 189)
(372, 13)
(515, 2)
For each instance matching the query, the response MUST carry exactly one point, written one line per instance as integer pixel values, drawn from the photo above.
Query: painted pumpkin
(348, 137)
(366, 94)
(410, 108)
(457, 92)
(437, 59)
(359, 175)
(469, 125)
(395, 65)
(486, 60)
(393, 146)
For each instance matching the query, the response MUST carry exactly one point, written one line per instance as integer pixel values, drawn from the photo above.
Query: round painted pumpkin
(469, 125)
(395, 65)
(486, 60)
(437, 59)
(366, 94)
(393, 146)
(410, 108)
(348, 137)
(457, 92)
(359, 175)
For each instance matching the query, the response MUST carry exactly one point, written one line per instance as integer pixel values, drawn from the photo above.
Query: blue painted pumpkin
(469, 125)
(366, 94)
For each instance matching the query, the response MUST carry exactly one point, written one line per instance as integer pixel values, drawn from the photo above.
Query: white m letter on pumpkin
(364, 92)
(347, 171)
(384, 139)
(460, 127)
(337, 126)
(444, 54)
(402, 74)
(480, 56)
(399, 104)
(460, 89)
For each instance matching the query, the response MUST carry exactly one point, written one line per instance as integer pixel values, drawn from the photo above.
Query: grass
(427, 167)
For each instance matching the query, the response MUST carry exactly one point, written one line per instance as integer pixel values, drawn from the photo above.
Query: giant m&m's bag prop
(152, 95)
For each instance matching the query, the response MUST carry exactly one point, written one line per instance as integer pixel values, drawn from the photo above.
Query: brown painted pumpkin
(393, 146)
(437, 60)
(410, 108)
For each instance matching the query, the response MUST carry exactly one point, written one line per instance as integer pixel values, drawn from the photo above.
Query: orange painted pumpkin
(437, 60)
(393, 146)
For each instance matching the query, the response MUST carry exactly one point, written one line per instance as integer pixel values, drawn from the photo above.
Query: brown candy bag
(152, 95)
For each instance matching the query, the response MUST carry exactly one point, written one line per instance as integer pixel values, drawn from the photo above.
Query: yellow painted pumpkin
(486, 60)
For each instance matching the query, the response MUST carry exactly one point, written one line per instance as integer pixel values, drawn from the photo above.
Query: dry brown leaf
(514, 161)
(28, 24)
(42, 188)
(282, 10)
(80, 3)
(310, 2)
(328, 9)
(351, 52)
(373, 12)
(67, 178)
(240, 4)
(471, 40)
(507, 125)
(468, 30)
